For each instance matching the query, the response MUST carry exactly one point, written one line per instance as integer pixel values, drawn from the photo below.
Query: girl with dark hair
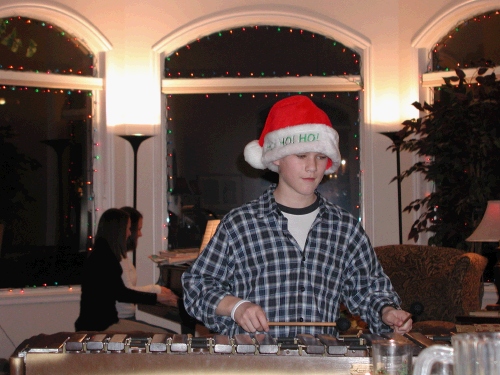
(102, 284)
(129, 275)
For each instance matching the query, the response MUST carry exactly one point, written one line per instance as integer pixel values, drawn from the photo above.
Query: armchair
(445, 282)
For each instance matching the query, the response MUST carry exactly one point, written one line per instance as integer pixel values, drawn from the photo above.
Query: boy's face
(302, 172)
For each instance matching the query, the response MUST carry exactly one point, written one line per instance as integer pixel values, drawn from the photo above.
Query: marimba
(143, 353)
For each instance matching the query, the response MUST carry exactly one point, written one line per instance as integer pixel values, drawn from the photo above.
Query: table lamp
(488, 230)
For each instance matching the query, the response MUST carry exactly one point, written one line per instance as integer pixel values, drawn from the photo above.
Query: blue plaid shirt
(253, 256)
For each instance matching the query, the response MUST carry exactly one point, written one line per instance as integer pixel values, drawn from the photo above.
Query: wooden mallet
(342, 324)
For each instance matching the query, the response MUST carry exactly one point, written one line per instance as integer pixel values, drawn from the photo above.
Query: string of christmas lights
(286, 51)
(170, 172)
(41, 90)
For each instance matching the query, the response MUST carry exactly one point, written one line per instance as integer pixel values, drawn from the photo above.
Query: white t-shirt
(300, 221)
(129, 277)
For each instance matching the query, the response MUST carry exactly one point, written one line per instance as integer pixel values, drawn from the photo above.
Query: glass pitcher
(476, 353)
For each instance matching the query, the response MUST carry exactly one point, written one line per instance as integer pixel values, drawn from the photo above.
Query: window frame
(224, 85)
(80, 28)
(274, 16)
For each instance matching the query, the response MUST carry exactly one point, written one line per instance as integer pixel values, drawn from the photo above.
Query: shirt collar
(268, 205)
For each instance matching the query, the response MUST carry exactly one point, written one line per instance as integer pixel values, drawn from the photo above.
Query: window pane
(469, 44)
(46, 184)
(205, 141)
(262, 51)
(27, 44)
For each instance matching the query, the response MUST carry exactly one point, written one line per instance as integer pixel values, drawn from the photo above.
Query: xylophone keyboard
(142, 353)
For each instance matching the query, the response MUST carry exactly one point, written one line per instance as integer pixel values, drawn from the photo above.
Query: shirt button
(302, 289)
(301, 319)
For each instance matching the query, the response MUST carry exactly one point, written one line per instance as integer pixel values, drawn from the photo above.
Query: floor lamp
(135, 141)
(396, 139)
(59, 145)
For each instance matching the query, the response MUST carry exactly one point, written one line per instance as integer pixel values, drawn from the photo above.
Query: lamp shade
(488, 229)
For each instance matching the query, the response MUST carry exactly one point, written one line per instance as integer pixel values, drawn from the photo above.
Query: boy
(290, 255)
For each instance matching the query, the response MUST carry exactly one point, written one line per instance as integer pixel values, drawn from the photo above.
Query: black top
(102, 286)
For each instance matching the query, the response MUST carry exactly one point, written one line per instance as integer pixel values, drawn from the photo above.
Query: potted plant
(458, 142)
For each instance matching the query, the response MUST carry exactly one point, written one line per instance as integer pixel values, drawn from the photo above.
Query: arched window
(471, 43)
(48, 93)
(219, 90)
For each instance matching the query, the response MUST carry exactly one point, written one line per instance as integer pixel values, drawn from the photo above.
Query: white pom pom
(253, 155)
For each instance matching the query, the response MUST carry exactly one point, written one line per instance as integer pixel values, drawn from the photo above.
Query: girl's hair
(113, 228)
(135, 215)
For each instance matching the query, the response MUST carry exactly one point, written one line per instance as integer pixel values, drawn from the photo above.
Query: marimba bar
(142, 353)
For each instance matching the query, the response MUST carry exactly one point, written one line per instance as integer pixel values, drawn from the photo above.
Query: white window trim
(51, 81)
(254, 85)
(436, 79)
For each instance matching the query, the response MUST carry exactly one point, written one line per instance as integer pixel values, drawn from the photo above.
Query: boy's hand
(399, 320)
(251, 317)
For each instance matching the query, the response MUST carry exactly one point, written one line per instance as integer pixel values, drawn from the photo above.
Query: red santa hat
(295, 125)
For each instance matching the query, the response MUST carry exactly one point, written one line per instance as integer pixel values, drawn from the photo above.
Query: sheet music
(186, 255)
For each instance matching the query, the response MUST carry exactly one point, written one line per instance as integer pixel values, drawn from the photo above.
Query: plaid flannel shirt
(253, 256)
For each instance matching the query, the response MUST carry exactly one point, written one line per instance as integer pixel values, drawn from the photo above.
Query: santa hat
(295, 125)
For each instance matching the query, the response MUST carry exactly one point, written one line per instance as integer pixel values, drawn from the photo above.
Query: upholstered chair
(436, 284)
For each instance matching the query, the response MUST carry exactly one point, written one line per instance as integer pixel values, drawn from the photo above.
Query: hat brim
(294, 140)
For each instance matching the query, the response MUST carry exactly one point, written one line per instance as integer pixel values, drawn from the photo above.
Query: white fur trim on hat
(299, 139)
(253, 155)
(294, 140)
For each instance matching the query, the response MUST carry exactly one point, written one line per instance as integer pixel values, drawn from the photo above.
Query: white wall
(25, 313)
(392, 29)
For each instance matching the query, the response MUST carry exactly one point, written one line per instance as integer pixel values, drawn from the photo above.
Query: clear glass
(476, 353)
(391, 357)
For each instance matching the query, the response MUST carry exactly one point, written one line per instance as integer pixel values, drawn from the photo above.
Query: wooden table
(470, 319)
